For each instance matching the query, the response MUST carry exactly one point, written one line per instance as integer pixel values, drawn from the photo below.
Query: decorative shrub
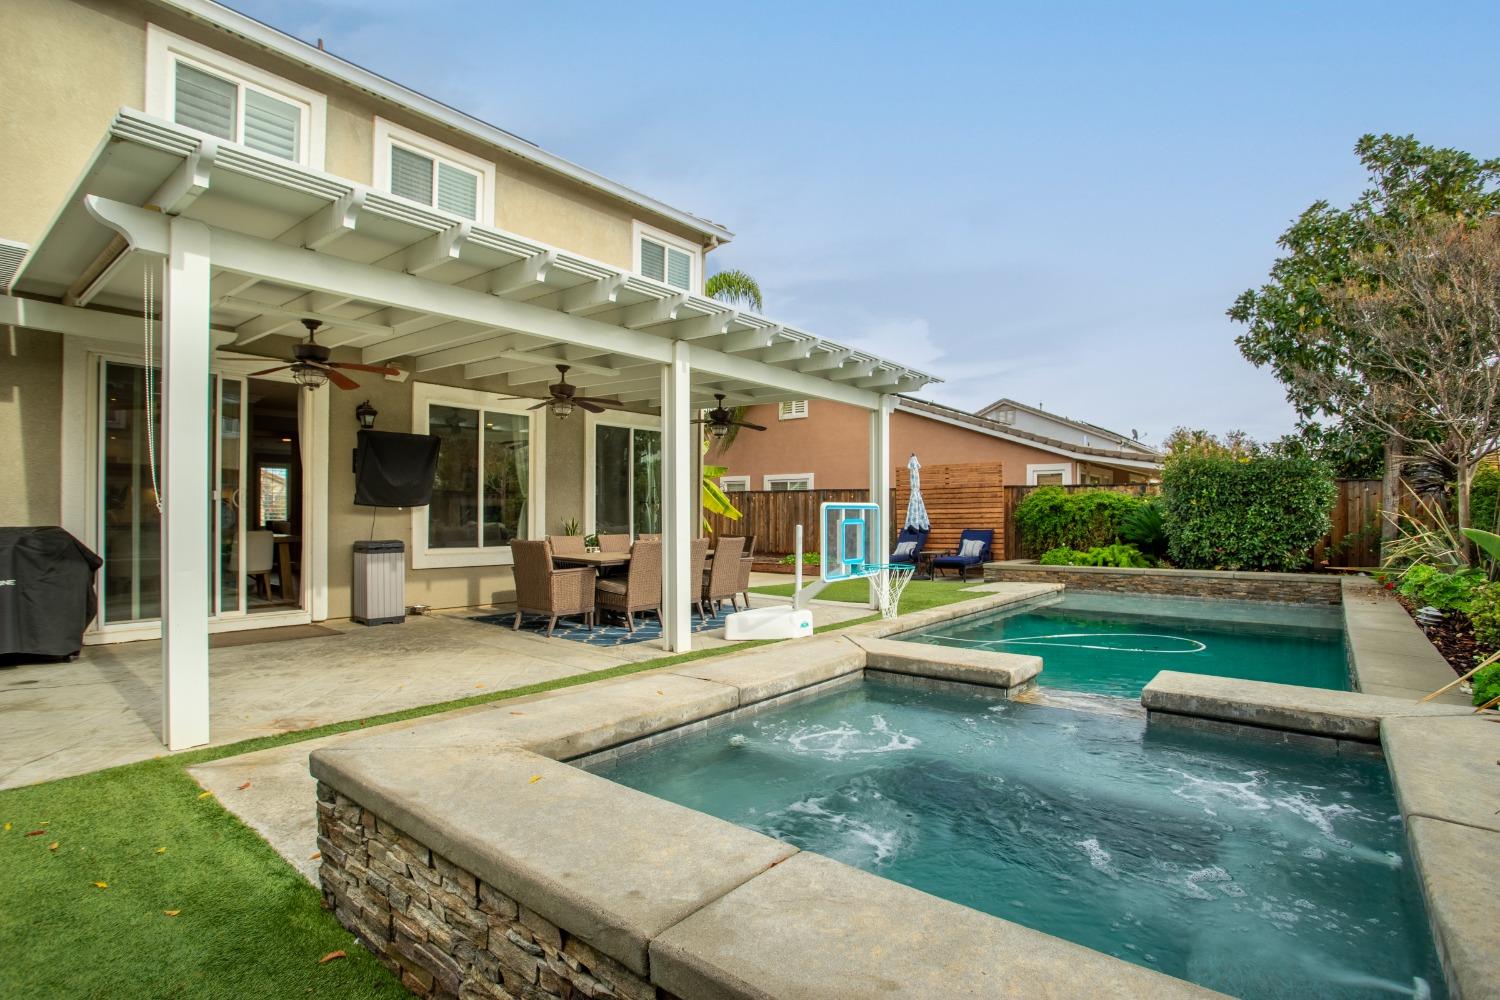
(1051, 518)
(1143, 527)
(1264, 513)
(1484, 491)
(1427, 585)
(1126, 556)
(1487, 684)
(808, 559)
(1484, 615)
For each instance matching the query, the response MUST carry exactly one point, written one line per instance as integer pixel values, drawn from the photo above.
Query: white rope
(1042, 640)
(148, 310)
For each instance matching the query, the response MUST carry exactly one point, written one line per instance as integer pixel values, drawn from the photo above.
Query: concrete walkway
(104, 709)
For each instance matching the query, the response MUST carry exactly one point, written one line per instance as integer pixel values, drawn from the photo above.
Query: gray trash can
(380, 582)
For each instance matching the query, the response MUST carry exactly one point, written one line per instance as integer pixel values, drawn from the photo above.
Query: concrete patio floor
(104, 709)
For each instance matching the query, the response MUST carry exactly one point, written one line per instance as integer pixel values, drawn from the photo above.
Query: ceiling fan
(721, 418)
(311, 367)
(562, 397)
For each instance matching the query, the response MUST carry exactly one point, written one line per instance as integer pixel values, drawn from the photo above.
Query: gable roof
(274, 40)
(962, 418)
(1082, 425)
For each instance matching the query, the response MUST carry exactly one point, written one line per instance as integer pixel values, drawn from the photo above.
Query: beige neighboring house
(179, 177)
(815, 444)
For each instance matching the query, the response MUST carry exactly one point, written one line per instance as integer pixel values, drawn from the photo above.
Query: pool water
(1113, 645)
(1247, 866)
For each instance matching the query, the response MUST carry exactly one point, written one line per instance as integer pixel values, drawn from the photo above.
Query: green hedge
(1052, 518)
(1483, 493)
(1262, 514)
(1104, 555)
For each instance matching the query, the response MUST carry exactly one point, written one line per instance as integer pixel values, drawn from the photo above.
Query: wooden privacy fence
(772, 517)
(969, 495)
(957, 497)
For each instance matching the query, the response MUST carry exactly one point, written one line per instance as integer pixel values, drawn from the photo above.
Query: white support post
(880, 477)
(186, 555)
(679, 589)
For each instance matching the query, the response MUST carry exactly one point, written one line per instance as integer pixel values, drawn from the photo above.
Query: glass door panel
(228, 521)
(130, 526)
(646, 494)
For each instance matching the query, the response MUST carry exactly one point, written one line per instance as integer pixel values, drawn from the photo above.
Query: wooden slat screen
(959, 496)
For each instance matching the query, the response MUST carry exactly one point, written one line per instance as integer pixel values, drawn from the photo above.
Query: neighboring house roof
(1124, 440)
(277, 41)
(962, 418)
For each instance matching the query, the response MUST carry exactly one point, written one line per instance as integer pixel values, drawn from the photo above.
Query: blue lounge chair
(917, 537)
(975, 541)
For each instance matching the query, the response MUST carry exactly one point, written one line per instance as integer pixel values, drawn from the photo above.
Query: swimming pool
(1114, 644)
(1251, 867)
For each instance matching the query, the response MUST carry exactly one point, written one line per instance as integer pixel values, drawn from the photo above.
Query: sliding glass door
(129, 524)
(627, 480)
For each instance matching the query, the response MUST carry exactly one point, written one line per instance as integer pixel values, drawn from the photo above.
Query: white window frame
(613, 418)
(164, 51)
(424, 395)
(388, 134)
(1066, 468)
(793, 409)
(788, 477)
(731, 484)
(639, 230)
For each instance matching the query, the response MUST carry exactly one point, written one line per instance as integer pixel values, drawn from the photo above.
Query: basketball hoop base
(780, 622)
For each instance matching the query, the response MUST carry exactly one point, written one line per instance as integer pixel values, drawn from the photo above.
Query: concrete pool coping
(724, 929)
(661, 896)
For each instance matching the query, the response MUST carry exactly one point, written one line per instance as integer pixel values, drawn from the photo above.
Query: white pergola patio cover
(253, 245)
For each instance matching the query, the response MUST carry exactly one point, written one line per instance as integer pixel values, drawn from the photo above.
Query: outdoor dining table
(598, 559)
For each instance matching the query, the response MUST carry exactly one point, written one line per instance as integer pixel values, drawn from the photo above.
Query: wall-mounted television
(394, 470)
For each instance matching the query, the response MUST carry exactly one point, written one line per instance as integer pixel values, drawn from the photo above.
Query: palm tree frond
(736, 288)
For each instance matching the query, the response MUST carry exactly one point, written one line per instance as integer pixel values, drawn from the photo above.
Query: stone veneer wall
(1286, 588)
(444, 932)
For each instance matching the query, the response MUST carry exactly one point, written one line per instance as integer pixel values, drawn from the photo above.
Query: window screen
(205, 102)
(411, 175)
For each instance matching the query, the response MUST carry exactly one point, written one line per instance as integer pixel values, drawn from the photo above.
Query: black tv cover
(395, 470)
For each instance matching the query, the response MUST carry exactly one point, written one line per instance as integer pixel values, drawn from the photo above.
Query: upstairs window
(792, 409)
(207, 91)
(431, 173)
(665, 258)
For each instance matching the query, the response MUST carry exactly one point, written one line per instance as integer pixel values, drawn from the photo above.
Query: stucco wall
(71, 64)
(30, 427)
(453, 587)
(832, 442)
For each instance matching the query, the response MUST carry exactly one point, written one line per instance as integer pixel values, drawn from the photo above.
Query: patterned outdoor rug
(610, 630)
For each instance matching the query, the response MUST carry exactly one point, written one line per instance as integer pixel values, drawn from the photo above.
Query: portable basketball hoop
(890, 580)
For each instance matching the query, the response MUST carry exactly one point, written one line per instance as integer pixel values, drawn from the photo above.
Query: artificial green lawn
(248, 925)
(919, 595)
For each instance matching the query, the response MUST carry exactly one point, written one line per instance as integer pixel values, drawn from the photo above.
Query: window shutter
(457, 191)
(271, 126)
(679, 269)
(411, 175)
(204, 102)
(653, 260)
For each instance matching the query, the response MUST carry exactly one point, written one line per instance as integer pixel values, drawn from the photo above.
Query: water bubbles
(739, 740)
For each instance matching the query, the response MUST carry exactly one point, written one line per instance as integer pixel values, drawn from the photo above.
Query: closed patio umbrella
(916, 509)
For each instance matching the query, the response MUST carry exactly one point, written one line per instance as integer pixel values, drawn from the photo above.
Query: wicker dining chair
(723, 578)
(639, 589)
(542, 589)
(614, 543)
(697, 568)
(567, 545)
(747, 564)
(648, 538)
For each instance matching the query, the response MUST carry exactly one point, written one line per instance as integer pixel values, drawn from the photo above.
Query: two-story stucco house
(185, 191)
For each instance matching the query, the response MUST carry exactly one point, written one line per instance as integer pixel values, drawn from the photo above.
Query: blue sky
(1053, 202)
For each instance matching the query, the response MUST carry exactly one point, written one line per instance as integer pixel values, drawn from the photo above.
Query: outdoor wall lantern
(366, 415)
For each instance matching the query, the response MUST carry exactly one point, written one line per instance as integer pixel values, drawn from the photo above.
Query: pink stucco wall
(832, 443)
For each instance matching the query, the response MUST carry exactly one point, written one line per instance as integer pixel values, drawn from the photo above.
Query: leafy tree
(1291, 324)
(1424, 352)
(1195, 442)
